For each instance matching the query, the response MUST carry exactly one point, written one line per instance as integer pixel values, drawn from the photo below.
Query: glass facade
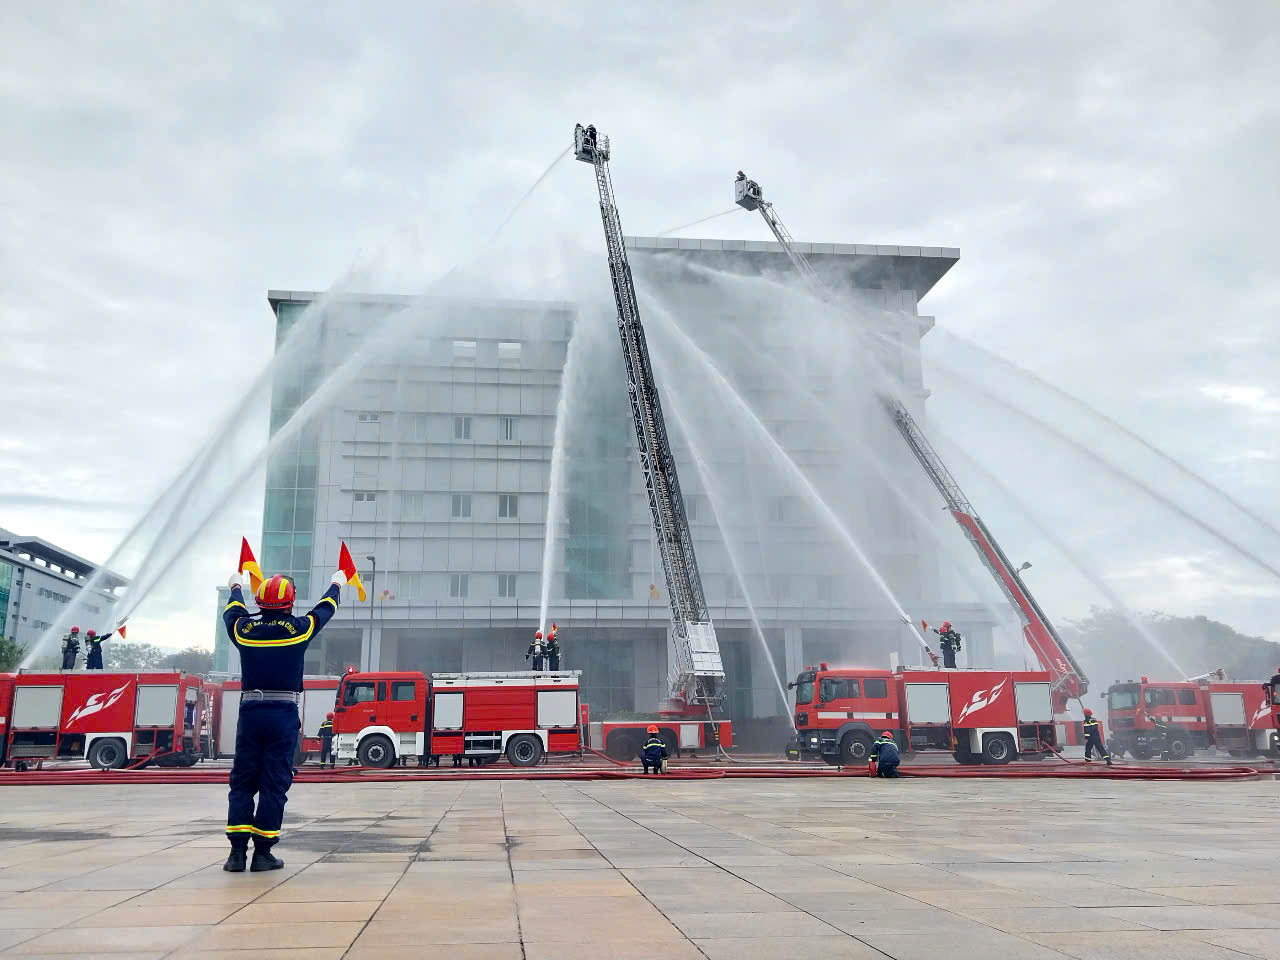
(6, 578)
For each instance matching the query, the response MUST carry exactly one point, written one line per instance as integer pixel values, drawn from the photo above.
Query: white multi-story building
(436, 463)
(38, 579)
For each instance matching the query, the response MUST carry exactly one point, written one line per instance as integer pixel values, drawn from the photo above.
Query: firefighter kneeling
(654, 752)
(885, 756)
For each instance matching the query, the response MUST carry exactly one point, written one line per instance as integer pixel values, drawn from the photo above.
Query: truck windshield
(360, 691)
(804, 693)
(1122, 698)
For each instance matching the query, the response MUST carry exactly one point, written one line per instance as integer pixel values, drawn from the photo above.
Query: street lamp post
(373, 591)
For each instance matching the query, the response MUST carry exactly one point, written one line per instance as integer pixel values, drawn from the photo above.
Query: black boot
(235, 860)
(263, 860)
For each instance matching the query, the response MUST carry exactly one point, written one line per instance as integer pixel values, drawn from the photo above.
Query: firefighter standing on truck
(70, 649)
(271, 654)
(326, 741)
(535, 652)
(884, 754)
(553, 650)
(949, 642)
(93, 653)
(653, 752)
(1093, 738)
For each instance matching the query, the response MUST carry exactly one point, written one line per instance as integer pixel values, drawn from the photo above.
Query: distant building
(437, 462)
(38, 579)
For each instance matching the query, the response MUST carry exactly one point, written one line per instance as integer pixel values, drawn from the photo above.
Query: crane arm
(697, 677)
(1066, 678)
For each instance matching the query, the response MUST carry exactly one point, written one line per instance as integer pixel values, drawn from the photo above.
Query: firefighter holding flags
(271, 646)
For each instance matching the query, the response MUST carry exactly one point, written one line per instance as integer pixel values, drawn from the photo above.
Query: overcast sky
(1109, 172)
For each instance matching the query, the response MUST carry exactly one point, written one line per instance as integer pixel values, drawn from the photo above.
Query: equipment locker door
(928, 703)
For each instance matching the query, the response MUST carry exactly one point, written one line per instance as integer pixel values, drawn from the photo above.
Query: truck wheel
(1179, 746)
(855, 749)
(997, 748)
(524, 750)
(621, 745)
(108, 754)
(376, 751)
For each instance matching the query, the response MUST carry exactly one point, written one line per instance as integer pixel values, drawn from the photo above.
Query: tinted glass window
(402, 690)
(382, 690)
(804, 692)
(360, 692)
(1187, 698)
(1122, 699)
(875, 689)
(1158, 697)
(838, 688)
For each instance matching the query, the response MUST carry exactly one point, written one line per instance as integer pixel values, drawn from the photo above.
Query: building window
(508, 351)
(369, 416)
(408, 586)
(508, 506)
(458, 584)
(462, 428)
(464, 351)
(507, 585)
(365, 496)
(418, 427)
(508, 429)
(691, 507)
(411, 506)
(732, 588)
(461, 506)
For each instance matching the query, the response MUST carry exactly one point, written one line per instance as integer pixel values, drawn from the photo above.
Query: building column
(649, 684)
(793, 645)
(370, 648)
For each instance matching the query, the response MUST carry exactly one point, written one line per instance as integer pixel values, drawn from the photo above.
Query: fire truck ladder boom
(1068, 680)
(697, 677)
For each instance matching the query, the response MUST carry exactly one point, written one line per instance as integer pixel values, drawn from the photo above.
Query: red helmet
(276, 593)
(886, 733)
(329, 715)
(1088, 712)
(90, 634)
(537, 634)
(75, 629)
(946, 624)
(653, 728)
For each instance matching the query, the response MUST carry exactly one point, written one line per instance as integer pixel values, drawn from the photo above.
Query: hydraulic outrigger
(1067, 679)
(696, 679)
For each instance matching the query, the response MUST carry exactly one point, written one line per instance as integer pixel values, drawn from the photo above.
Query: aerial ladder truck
(1067, 680)
(696, 677)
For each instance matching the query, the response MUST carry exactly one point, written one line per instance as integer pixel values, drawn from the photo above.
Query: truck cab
(840, 713)
(1181, 705)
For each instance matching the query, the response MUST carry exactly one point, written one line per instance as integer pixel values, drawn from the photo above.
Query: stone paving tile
(1195, 917)
(1224, 895)
(932, 921)
(231, 936)
(298, 953)
(1251, 943)
(107, 940)
(1131, 945)
(1048, 919)
(709, 926)
(983, 942)
(774, 948)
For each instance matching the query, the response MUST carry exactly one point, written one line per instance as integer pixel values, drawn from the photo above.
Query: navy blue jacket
(885, 750)
(654, 748)
(272, 648)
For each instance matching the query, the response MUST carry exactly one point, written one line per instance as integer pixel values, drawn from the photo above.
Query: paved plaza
(912, 869)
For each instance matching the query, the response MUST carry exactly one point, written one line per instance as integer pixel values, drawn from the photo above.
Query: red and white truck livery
(980, 716)
(387, 717)
(623, 739)
(1236, 717)
(110, 719)
(318, 698)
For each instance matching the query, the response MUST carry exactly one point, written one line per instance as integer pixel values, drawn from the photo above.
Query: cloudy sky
(1108, 172)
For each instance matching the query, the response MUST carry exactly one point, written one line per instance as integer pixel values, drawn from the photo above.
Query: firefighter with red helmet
(653, 752)
(885, 755)
(1093, 738)
(553, 650)
(326, 741)
(536, 652)
(70, 649)
(271, 650)
(93, 649)
(948, 643)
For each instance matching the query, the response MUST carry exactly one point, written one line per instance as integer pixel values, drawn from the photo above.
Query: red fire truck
(623, 739)
(318, 697)
(1200, 713)
(387, 717)
(107, 718)
(980, 716)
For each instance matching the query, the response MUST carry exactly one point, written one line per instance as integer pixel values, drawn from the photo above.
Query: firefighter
(653, 752)
(553, 650)
(326, 742)
(271, 656)
(884, 754)
(1160, 731)
(1093, 738)
(70, 649)
(535, 652)
(93, 650)
(949, 642)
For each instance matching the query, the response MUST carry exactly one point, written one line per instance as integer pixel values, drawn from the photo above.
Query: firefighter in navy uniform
(653, 752)
(949, 642)
(553, 650)
(884, 753)
(271, 653)
(1093, 738)
(535, 652)
(70, 649)
(326, 741)
(93, 652)
(1160, 730)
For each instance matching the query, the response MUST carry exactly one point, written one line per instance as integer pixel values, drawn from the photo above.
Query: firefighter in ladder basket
(1093, 738)
(271, 658)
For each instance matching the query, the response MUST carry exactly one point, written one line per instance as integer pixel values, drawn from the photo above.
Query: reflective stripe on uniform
(268, 834)
(329, 600)
(235, 603)
(240, 828)
(279, 641)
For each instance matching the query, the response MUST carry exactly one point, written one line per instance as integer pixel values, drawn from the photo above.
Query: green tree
(132, 656)
(193, 660)
(11, 654)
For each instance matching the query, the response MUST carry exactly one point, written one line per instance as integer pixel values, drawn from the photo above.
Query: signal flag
(348, 566)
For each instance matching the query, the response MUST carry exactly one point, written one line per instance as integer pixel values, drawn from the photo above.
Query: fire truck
(319, 695)
(1067, 680)
(980, 716)
(695, 686)
(109, 719)
(623, 739)
(385, 718)
(1200, 712)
